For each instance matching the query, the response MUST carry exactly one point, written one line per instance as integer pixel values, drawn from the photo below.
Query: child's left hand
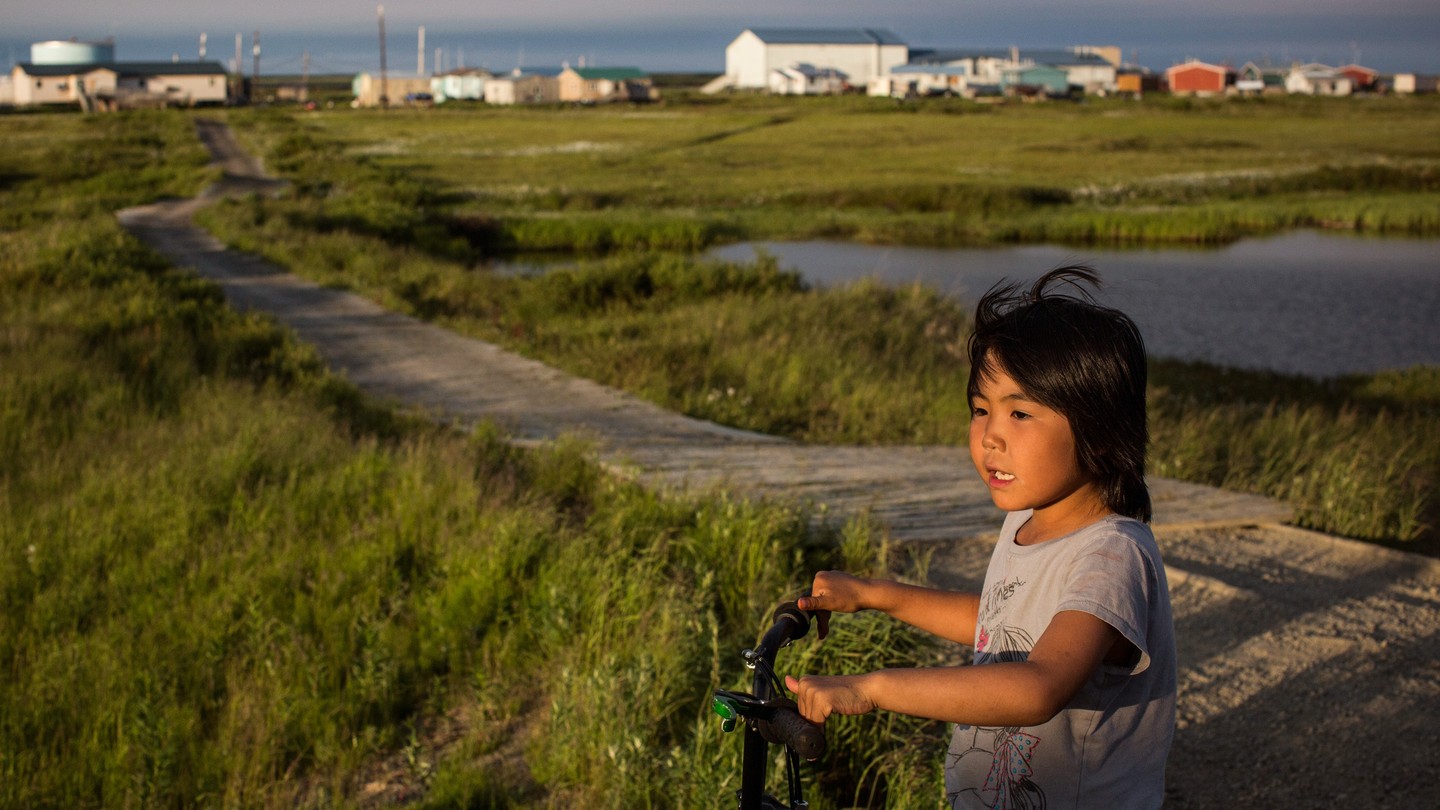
(819, 696)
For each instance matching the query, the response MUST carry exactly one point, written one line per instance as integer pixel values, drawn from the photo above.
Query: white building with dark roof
(122, 84)
(859, 53)
(1085, 67)
(87, 74)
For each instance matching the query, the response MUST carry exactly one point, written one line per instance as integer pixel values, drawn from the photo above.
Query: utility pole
(420, 54)
(236, 70)
(384, 96)
(304, 75)
(255, 72)
(202, 46)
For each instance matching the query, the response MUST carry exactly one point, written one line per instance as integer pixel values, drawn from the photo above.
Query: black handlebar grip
(798, 619)
(787, 727)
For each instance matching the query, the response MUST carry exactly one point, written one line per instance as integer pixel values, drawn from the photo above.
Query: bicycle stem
(790, 623)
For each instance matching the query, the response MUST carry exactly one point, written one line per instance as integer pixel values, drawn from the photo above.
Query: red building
(1361, 78)
(1198, 77)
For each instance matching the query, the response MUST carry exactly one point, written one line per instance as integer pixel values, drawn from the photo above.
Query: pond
(1305, 302)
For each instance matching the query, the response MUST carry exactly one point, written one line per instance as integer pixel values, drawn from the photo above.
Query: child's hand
(819, 696)
(832, 591)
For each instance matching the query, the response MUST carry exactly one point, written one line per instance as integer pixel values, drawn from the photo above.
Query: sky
(341, 36)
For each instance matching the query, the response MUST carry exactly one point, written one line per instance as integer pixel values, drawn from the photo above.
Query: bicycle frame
(770, 717)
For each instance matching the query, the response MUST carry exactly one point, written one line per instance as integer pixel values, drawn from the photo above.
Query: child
(1070, 702)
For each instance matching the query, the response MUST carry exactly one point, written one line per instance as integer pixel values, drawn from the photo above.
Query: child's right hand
(834, 591)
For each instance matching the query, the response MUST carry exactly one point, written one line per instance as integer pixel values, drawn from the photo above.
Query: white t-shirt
(1107, 748)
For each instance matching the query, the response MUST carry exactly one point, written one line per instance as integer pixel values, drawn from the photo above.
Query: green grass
(947, 172)
(747, 345)
(226, 579)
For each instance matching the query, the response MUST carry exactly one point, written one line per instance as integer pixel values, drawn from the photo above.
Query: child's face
(1025, 453)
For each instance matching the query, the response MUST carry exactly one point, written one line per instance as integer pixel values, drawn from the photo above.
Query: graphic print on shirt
(1008, 784)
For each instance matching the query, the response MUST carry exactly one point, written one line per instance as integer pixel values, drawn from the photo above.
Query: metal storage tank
(71, 52)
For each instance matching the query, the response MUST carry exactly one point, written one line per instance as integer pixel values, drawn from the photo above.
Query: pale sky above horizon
(1391, 35)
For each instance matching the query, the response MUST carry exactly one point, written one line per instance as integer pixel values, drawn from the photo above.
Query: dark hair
(1083, 360)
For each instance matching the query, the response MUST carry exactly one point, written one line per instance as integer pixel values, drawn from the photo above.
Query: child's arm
(1024, 693)
(948, 614)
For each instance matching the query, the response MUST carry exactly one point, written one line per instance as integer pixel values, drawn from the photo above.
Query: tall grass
(226, 579)
(747, 345)
(938, 173)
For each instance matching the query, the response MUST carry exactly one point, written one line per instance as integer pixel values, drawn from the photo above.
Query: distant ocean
(699, 45)
(283, 52)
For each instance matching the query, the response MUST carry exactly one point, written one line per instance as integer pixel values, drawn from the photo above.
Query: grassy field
(228, 580)
(747, 345)
(943, 172)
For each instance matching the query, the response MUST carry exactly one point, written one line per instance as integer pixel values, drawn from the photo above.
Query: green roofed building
(588, 85)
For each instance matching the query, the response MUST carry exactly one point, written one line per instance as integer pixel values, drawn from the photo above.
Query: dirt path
(1309, 668)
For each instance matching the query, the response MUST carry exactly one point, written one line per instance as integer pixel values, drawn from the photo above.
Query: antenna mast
(235, 67)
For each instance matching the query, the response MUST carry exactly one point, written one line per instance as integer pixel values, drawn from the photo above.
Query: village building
(463, 84)
(591, 85)
(1407, 83)
(389, 89)
(804, 79)
(860, 53)
(524, 86)
(87, 75)
(1197, 78)
(1254, 80)
(1087, 68)
(1362, 79)
(1135, 82)
(1317, 80)
(981, 67)
(1036, 80)
(914, 80)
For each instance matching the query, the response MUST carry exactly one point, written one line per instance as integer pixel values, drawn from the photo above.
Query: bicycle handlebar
(790, 729)
(770, 718)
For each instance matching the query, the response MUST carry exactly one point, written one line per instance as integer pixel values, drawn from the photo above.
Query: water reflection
(1305, 302)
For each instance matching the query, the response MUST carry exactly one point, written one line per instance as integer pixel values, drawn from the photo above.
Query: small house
(906, 81)
(1361, 78)
(1254, 80)
(465, 84)
(1136, 82)
(1036, 80)
(1197, 78)
(1407, 83)
(1317, 80)
(805, 79)
(528, 85)
(588, 85)
(389, 89)
(1085, 68)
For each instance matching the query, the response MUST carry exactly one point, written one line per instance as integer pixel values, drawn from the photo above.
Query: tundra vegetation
(407, 207)
(228, 578)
